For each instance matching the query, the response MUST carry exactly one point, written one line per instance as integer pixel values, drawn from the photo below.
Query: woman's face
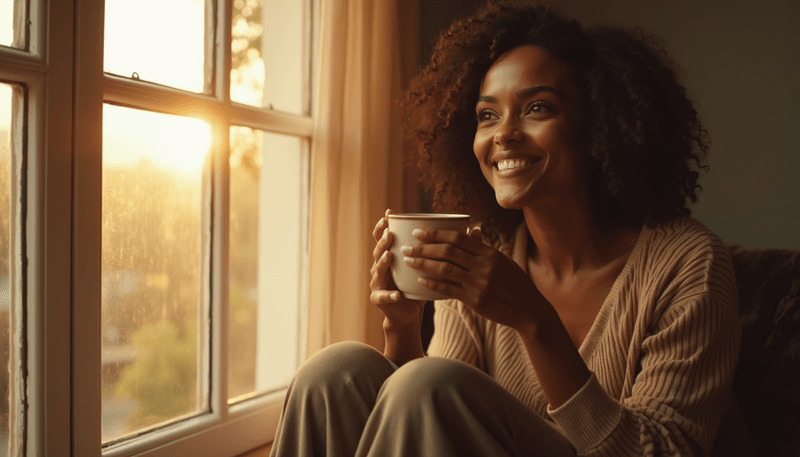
(530, 129)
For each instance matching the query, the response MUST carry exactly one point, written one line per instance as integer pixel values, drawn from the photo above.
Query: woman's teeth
(511, 164)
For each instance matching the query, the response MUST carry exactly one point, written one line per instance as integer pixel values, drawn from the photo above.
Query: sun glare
(176, 143)
(6, 27)
(160, 41)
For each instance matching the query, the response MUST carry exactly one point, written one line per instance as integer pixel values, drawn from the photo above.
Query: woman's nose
(508, 131)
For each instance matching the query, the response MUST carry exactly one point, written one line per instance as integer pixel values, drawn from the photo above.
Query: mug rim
(427, 216)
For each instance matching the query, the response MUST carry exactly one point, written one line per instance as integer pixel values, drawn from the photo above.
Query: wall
(741, 63)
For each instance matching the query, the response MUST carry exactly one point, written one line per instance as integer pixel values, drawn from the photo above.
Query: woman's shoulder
(684, 251)
(683, 236)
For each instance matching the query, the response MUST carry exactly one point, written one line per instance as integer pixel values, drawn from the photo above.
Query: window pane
(268, 31)
(153, 327)
(6, 344)
(266, 234)
(13, 15)
(160, 41)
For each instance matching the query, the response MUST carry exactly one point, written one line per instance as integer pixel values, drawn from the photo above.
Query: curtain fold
(356, 165)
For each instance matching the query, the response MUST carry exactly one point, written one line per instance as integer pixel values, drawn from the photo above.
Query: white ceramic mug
(401, 225)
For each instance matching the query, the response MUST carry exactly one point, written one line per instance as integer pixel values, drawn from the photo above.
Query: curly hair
(644, 139)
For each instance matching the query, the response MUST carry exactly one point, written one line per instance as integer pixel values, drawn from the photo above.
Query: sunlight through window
(265, 255)
(6, 346)
(13, 15)
(157, 41)
(151, 285)
(257, 26)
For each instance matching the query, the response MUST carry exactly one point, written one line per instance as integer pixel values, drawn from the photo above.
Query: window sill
(262, 451)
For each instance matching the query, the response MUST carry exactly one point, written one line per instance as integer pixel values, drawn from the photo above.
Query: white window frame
(66, 89)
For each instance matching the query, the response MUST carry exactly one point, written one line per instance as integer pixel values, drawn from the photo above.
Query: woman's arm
(495, 287)
(402, 317)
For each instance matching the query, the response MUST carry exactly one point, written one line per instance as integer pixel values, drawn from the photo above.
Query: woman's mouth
(512, 164)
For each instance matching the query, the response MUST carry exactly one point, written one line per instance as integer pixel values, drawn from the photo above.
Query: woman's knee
(343, 363)
(431, 376)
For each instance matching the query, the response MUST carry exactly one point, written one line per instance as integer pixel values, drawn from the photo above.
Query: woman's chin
(509, 202)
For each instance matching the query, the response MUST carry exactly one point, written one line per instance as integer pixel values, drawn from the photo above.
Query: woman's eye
(538, 107)
(485, 115)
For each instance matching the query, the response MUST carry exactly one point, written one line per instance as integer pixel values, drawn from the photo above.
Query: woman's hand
(398, 310)
(483, 278)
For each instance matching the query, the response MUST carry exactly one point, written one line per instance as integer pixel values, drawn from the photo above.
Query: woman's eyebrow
(524, 93)
(531, 91)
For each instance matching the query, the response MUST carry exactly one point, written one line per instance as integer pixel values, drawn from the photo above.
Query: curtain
(356, 166)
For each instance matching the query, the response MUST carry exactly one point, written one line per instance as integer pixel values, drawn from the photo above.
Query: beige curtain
(356, 168)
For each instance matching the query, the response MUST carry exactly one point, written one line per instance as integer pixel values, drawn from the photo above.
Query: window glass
(12, 17)
(153, 327)
(5, 265)
(157, 41)
(265, 253)
(267, 45)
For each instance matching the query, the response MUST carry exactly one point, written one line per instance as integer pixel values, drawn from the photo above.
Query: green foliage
(246, 30)
(241, 341)
(163, 379)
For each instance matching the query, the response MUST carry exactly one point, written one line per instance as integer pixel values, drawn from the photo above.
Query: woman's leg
(442, 407)
(329, 401)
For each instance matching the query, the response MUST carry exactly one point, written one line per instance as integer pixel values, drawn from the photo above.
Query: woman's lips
(510, 167)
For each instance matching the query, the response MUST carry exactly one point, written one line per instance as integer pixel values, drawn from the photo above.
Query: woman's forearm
(403, 343)
(558, 364)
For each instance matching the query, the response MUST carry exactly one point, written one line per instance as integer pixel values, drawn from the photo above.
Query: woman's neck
(568, 237)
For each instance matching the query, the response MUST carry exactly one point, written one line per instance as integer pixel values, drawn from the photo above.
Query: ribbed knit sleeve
(683, 343)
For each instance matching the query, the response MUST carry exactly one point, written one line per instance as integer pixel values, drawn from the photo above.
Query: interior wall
(740, 63)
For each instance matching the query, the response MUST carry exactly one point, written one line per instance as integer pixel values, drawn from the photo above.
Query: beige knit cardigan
(662, 351)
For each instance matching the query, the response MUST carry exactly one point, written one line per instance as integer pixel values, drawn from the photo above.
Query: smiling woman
(597, 319)
(528, 94)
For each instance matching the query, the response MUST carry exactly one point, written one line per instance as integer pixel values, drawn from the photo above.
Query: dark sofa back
(767, 379)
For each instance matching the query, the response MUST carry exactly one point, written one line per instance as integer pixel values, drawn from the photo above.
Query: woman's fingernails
(385, 232)
(408, 260)
(394, 295)
(419, 233)
(407, 250)
(385, 255)
(422, 281)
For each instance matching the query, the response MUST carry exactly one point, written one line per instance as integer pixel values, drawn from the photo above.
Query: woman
(589, 314)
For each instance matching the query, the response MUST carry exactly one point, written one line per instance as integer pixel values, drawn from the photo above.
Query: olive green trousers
(350, 400)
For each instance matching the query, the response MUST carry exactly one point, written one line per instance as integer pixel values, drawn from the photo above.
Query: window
(154, 162)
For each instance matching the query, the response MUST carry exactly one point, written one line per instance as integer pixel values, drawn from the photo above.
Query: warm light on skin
(529, 111)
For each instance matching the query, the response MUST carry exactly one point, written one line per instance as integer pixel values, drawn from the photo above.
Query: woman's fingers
(443, 252)
(384, 297)
(380, 272)
(468, 243)
(451, 273)
(382, 224)
(384, 243)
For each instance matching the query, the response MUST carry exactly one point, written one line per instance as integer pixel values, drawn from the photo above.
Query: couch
(767, 379)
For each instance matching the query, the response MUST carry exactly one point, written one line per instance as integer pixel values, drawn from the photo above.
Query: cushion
(767, 379)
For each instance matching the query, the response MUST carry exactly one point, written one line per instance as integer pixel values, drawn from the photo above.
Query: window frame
(65, 90)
